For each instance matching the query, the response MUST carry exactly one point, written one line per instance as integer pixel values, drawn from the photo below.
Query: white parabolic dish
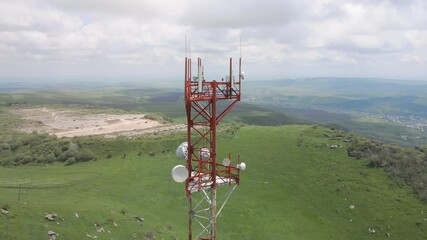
(179, 173)
(181, 151)
(205, 154)
(241, 166)
(226, 162)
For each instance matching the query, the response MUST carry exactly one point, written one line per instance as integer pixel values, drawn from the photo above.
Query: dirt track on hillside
(71, 123)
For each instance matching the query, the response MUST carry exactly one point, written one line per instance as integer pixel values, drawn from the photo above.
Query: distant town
(411, 121)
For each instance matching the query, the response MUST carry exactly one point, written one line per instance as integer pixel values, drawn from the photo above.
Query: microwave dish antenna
(226, 162)
(179, 173)
(182, 151)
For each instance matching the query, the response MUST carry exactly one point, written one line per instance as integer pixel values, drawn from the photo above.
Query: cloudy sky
(145, 39)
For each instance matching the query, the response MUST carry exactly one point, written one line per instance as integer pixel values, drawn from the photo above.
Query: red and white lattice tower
(204, 174)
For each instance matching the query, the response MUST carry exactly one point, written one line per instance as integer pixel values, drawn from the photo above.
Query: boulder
(139, 219)
(4, 211)
(99, 228)
(52, 235)
(90, 236)
(50, 216)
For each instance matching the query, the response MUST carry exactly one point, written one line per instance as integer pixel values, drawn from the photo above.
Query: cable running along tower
(209, 179)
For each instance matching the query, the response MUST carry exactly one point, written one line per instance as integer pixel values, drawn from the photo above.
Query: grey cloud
(239, 14)
(145, 10)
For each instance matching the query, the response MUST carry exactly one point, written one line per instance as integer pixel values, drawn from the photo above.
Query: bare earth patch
(71, 123)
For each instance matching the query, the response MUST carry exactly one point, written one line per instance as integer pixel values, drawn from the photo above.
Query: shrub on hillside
(109, 154)
(140, 152)
(71, 161)
(69, 150)
(4, 146)
(361, 148)
(50, 158)
(45, 149)
(403, 165)
(85, 155)
(24, 158)
(39, 159)
(73, 147)
(34, 139)
(8, 162)
(66, 155)
(57, 151)
(15, 145)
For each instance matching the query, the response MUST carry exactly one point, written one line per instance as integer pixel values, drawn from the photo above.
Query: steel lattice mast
(204, 172)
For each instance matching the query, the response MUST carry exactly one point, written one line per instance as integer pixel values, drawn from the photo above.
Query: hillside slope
(295, 187)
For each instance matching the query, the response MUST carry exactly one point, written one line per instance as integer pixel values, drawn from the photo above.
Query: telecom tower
(203, 174)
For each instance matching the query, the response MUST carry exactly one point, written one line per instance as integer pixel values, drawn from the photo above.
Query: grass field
(295, 187)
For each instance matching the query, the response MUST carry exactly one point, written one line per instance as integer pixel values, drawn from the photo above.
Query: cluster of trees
(41, 148)
(403, 165)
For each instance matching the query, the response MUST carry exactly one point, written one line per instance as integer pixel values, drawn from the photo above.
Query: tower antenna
(240, 46)
(205, 176)
(189, 48)
(241, 73)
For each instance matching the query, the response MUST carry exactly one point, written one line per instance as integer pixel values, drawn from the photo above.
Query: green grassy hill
(295, 187)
